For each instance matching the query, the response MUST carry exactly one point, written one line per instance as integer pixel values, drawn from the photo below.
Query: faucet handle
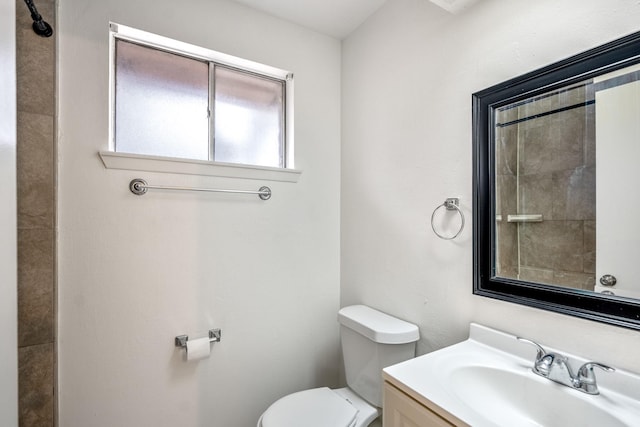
(586, 370)
(586, 378)
(541, 351)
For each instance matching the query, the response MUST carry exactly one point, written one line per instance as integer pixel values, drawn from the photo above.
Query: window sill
(140, 162)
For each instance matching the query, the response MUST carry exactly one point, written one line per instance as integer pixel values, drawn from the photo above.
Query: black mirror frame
(602, 308)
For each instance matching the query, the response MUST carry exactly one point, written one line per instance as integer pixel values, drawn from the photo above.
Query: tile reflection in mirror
(545, 166)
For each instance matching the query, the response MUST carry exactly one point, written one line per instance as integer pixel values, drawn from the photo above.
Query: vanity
(488, 381)
(404, 407)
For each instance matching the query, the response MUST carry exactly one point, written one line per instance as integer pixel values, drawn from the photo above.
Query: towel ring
(450, 204)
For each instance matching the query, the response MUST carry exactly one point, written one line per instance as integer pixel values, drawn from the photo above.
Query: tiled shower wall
(36, 217)
(546, 165)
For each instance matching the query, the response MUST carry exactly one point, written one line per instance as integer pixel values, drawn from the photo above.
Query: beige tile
(536, 195)
(507, 249)
(36, 321)
(36, 385)
(35, 249)
(506, 115)
(36, 211)
(589, 247)
(35, 172)
(536, 275)
(508, 272)
(507, 150)
(590, 136)
(574, 280)
(506, 195)
(35, 61)
(558, 278)
(552, 143)
(574, 194)
(552, 245)
(35, 286)
(544, 104)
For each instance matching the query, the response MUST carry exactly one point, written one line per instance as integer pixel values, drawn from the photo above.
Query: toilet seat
(318, 407)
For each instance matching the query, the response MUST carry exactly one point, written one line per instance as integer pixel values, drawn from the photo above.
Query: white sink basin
(487, 381)
(510, 398)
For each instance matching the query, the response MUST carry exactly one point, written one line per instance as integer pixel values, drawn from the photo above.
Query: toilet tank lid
(377, 326)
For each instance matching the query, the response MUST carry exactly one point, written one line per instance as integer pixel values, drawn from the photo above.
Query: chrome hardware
(181, 340)
(139, 187)
(587, 378)
(451, 204)
(556, 367)
(525, 218)
(546, 363)
(215, 335)
(541, 351)
(264, 193)
(608, 280)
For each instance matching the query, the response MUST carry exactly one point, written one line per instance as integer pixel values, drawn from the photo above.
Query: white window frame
(117, 160)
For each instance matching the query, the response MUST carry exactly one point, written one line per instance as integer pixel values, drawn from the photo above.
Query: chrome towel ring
(451, 204)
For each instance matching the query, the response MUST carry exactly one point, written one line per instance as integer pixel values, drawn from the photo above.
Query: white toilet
(371, 341)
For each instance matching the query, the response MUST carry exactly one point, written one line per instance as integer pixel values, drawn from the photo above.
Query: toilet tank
(372, 340)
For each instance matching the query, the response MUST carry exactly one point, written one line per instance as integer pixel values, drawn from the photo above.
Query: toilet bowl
(371, 340)
(320, 407)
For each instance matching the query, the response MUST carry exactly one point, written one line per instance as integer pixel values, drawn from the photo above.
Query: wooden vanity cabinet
(401, 409)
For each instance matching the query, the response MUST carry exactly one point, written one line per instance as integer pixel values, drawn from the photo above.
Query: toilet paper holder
(214, 336)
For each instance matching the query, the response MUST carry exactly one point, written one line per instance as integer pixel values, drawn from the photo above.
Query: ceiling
(336, 18)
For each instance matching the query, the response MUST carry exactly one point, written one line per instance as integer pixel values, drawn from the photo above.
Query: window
(175, 100)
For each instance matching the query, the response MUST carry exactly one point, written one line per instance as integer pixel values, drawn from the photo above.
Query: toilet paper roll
(198, 349)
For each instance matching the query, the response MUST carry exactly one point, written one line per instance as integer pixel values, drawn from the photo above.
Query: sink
(516, 398)
(486, 381)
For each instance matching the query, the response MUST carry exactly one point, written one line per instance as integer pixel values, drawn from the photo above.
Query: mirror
(555, 207)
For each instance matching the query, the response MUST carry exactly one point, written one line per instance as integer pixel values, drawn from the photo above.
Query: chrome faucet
(556, 367)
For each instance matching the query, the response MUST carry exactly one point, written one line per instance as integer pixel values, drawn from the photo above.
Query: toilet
(371, 340)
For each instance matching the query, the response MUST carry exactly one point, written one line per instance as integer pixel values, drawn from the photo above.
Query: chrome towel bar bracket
(215, 335)
(139, 187)
(525, 218)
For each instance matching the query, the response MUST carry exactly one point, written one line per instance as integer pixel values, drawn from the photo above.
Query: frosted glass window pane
(161, 103)
(249, 119)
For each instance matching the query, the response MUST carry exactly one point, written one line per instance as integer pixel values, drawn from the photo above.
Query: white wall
(8, 225)
(408, 76)
(134, 272)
